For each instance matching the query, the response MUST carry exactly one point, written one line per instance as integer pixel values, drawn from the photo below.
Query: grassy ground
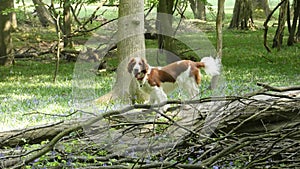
(27, 86)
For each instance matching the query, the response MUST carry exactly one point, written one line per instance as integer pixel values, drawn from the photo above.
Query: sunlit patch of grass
(27, 93)
(28, 87)
(245, 62)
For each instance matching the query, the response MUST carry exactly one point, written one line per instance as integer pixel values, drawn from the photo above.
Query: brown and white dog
(152, 83)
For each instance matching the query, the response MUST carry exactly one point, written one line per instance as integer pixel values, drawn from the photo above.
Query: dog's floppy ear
(130, 65)
(145, 65)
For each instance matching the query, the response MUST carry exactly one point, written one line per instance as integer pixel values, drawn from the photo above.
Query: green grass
(246, 61)
(27, 86)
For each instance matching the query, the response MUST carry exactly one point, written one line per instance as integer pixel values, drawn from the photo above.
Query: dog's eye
(140, 63)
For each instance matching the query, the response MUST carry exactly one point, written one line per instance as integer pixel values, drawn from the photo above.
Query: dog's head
(138, 67)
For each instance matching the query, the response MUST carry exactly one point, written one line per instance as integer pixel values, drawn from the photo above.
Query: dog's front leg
(157, 95)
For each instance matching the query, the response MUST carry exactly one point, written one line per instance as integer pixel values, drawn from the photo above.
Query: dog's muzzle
(139, 75)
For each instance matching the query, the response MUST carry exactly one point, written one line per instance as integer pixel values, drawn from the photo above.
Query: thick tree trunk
(131, 42)
(6, 57)
(242, 15)
(43, 14)
(198, 8)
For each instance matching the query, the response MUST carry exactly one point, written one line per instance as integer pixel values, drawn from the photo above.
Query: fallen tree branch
(278, 89)
(207, 132)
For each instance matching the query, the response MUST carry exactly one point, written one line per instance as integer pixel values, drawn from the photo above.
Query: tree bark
(198, 8)
(298, 32)
(264, 5)
(6, 57)
(219, 26)
(14, 18)
(242, 15)
(278, 38)
(131, 41)
(34, 135)
(164, 28)
(67, 24)
(292, 38)
(43, 14)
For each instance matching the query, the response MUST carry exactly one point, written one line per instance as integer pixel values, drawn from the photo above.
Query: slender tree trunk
(131, 41)
(6, 57)
(198, 8)
(164, 28)
(242, 15)
(298, 32)
(67, 24)
(291, 38)
(43, 14)
(14, 22)
(278, 38)
(219, 24)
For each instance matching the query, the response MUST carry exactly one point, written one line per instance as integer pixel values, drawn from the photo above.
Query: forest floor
(28, 92)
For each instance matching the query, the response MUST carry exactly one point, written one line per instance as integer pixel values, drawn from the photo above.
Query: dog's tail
(211, 66)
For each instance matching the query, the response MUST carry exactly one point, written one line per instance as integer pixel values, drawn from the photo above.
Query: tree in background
(242, 15)
(67, 24)
(284, 16)
(6, 57)
(198, 8)
(219, 23)
(14, 22)
(262, 5)
(164, 27)
(292, 37)
(278, 38)
(43, 13)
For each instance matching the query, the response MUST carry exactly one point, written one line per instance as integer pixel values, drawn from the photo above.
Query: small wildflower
(215, 167)
(161, 159)
(36, 160)
(190, 160)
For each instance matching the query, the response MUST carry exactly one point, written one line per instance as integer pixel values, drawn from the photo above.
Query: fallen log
(33, 135)
(213, 131)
